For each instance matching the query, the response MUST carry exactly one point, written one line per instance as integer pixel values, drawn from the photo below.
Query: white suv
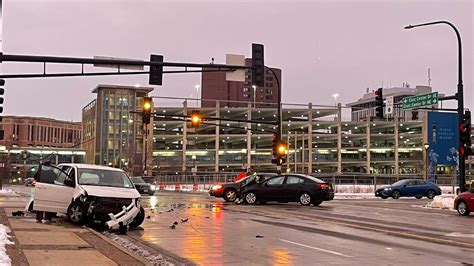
(88, 193)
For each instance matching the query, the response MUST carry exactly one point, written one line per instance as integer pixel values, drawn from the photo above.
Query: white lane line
(320, 249)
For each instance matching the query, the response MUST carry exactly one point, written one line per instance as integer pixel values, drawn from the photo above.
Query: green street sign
(420, 100)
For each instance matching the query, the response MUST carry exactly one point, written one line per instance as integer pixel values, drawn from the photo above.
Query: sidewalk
(59, 244)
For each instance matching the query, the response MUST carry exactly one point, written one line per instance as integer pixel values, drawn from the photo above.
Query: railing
(362, 179)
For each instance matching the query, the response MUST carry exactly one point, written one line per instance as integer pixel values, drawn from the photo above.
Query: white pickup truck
(88, 194)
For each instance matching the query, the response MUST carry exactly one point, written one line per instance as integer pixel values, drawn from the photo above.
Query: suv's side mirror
(69, 182)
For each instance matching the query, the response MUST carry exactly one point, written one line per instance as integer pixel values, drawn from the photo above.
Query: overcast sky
(323, 47)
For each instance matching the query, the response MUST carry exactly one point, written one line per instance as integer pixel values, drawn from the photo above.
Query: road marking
(320, 249)
(457, 234)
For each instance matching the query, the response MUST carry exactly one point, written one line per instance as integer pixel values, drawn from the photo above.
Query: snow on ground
(442, 202)
(4, 240)
(8, 193)
(137, 250)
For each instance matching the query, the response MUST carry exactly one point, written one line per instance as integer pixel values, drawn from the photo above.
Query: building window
(269, 78)
(269, 84)
(269, 91)
(269, 97)
(246, 89)
(246, 96)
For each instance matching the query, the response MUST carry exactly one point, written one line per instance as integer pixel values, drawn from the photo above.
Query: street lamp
(254, 95)
(426, 146)
(243, 151)
(335, 95)
(197, 87)
(459, 96)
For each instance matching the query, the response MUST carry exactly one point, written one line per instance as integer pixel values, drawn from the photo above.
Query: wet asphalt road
(356, 232)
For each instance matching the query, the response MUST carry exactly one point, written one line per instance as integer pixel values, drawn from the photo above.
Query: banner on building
(443, 140)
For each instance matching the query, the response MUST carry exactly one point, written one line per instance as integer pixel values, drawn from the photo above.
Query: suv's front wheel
(138, 220)
(76, 213)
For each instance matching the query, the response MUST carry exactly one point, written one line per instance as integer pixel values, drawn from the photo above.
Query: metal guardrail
(361, 179)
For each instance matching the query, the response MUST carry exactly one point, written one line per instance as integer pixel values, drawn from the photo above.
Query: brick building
(27, 131)
(214, 86)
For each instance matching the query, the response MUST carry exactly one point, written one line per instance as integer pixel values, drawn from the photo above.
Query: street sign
(389, 105)
(420, 100)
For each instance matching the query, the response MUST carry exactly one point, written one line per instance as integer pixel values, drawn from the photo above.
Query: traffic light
(275, 139)
(33, 169)
(147, 106)
(280, 149)
(258, 65)
(156, 72)
(465, 134)
(379, 103)
(414, 115)
(196, 119)
(2, 91)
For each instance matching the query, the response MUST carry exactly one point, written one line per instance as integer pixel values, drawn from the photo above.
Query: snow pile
(442, 202)
(152, 259)
(8, 193)
(4, 240)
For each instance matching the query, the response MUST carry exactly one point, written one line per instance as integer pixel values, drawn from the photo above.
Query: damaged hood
(111, 192)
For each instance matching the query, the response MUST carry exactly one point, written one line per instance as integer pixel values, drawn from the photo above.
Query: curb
(126, 251)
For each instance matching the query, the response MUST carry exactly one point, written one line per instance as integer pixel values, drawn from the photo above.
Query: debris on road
(184, 220)
(18, 213)
(175, 223)
(259, 236)
(173, 226)
(148, 217)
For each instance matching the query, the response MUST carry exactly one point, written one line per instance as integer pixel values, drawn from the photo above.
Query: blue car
(409, 188)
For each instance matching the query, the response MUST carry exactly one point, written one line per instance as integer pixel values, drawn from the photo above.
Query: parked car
(409, 188)
(142, 186)
(464, 202)
(88, 194)
(231, 191)
(289, 188)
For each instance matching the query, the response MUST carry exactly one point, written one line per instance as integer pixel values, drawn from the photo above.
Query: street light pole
(426, 146)
(459, 97)
(197, 94)
(254, 95)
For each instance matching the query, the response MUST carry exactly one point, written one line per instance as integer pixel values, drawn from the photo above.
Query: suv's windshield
(137, 180)
(106, 178)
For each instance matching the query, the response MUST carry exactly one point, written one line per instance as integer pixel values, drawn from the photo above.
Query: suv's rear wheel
(76, 213)
(138, 220)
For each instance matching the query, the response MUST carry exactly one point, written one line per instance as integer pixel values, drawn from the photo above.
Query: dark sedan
(409, 188)
(290, 188)
(143, 187)
(231, 191)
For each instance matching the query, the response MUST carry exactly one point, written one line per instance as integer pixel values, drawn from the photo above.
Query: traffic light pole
(460, 98)
(279, 128)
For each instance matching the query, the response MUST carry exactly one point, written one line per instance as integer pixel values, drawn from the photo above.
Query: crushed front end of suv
(88, 194)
